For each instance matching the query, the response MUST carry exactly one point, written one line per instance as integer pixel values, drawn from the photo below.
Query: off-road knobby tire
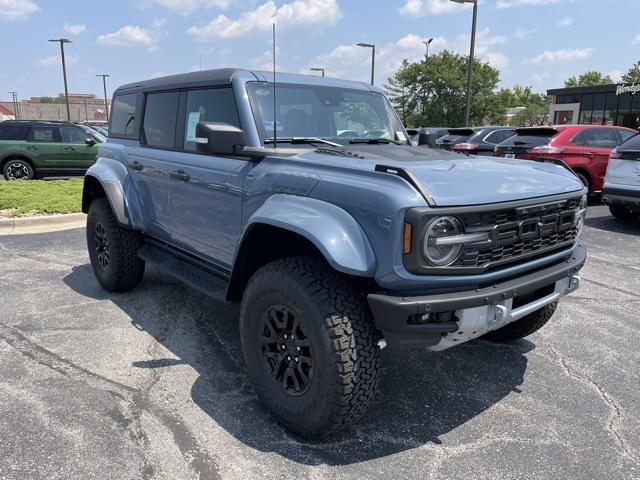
(523, 327)
(125, 269)
(622, 213)
(343, 339)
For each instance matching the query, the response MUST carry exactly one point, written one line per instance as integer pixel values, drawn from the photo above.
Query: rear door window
(580, 138)
(211, 105)
(44, 134)
(602, 138)
(160, 117)
(13, 132)
(123, 114)
(499, 136)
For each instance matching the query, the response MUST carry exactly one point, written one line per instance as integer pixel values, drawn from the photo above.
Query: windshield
(335, 114)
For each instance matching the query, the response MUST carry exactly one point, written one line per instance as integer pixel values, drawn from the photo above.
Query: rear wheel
(113, 250)
(523, 327)
(18, 169)
(309, 344)
(622, 213)
(584, 179)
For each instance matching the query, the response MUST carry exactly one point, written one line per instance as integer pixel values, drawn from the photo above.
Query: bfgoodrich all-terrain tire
(113, 249)
(523, 327)
(310, 345)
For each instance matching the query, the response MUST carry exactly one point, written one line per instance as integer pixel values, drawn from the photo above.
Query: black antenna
(275, 140)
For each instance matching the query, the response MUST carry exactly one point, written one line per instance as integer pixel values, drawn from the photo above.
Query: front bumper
(461, 316)
(621, 197)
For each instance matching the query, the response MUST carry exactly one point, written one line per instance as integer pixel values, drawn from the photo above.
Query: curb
(42, 224)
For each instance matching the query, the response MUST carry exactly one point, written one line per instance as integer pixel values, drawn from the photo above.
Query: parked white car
(621, 190)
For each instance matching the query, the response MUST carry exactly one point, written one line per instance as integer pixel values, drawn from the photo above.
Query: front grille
(507, 250)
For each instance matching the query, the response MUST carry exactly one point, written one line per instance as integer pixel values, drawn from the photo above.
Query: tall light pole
(315, 69)
(471, 51)
(427, 43)
(62, 41)
(373, 57)
(104, 85)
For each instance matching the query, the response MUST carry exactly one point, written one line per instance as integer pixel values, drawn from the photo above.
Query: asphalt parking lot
(150, 384)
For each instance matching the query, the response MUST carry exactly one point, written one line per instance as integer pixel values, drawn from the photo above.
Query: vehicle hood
(454, 179)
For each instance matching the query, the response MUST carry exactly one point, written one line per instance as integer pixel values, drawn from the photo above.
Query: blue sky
(532, 42)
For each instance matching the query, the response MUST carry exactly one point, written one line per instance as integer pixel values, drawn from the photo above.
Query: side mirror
(219, 138)
(428, 139)
(90, 141)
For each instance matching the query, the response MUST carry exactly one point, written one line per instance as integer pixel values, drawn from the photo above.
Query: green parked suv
(36, 148)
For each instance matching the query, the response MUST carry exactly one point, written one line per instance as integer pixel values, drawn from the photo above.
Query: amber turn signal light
(406, 238)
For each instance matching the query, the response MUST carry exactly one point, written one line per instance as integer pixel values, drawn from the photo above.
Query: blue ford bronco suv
(336, 236)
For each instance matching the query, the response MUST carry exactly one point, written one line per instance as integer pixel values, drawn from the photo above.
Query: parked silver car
(622, 182)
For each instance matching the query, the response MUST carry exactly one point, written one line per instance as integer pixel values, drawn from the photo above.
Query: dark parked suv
(311, 208)
(36, 148)
(484, 140)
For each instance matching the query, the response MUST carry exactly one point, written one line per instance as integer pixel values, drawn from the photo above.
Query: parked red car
(584, 148)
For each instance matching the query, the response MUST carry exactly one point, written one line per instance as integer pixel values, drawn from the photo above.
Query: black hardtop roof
(221, 76)
(41, 121)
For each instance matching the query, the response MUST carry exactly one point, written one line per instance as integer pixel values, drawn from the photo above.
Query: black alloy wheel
(102, 245)
(286, 350)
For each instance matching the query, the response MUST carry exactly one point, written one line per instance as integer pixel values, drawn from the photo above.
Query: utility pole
(471, 52)
(373, 57)
(86, 113)
(14, 99)
(104, 86)
(62, 41)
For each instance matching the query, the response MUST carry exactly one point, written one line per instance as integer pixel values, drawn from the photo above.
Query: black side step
(193, 276)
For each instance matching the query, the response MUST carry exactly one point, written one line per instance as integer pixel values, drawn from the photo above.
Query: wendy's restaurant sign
(632, 89)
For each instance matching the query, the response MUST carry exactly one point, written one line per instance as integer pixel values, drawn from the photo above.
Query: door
(150, 162)
(206, 191)
(76, 153)
(598, 146)
(43, 145)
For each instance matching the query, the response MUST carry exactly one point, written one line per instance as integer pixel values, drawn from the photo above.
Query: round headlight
(440, 253)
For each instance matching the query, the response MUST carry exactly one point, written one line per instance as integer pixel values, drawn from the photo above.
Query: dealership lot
(151, 384)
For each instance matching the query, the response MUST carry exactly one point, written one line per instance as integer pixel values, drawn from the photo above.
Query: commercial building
(616, 104)
(82, 107)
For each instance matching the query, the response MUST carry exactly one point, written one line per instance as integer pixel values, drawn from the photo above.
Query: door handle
(32, 147)
(69, 148)
(180, 175)
(135, 165)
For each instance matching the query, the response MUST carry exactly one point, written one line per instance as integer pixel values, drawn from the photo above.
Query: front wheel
(18, 169)
(113, 250)
(523, 327)
(310, 345)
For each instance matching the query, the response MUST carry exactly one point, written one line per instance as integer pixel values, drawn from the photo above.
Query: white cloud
(565, 22)
(132, 36)
(559, 56)
(496, 60)
(540, 77)
(17, 9)
(616, 75)
(74, 29)
(636, 40)
(419, 8)
(55, 60)
(521, 33)
(184, 7)
(305, 13)
(520, 3)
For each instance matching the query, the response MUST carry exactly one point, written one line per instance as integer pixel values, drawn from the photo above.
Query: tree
(433, 91)
(633, 75)
(592, 77)
(536, 105)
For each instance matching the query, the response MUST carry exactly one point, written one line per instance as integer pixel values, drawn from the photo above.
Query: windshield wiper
(375, 141)
(294, 140)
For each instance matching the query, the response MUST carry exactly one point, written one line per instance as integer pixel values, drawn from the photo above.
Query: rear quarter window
(123, 115)
(13, 132)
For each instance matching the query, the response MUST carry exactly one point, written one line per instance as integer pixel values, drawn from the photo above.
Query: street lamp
(427, 43)
(62, 41)
(471, 50)
(315, 69)
(373, 57)
(104, 85)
